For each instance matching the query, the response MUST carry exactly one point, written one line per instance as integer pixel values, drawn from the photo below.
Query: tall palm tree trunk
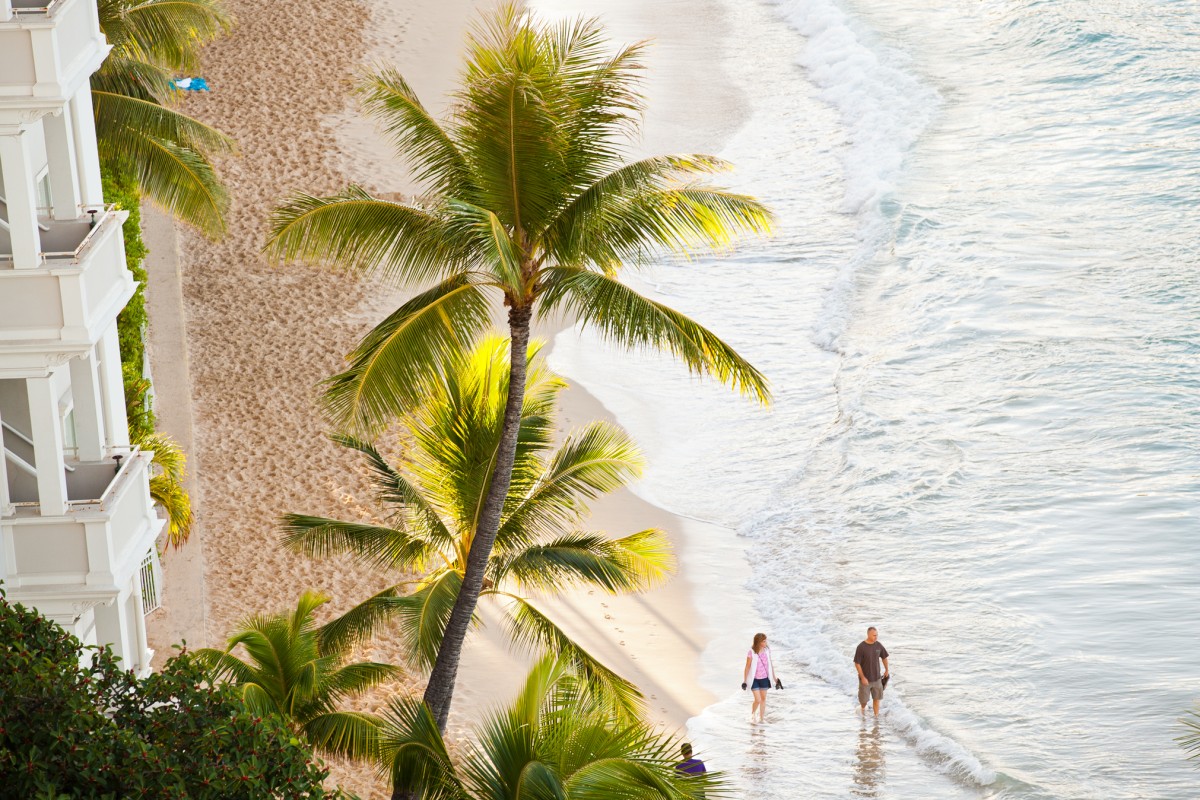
(440, 691)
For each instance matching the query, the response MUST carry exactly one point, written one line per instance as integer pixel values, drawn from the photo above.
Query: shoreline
(256, 339)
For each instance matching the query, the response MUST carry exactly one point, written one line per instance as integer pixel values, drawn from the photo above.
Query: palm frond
(1190, 740)
(358, 624)
(414, 754)
(422, 616)
(529, 628)
(593, 461)
(171, 171)
(352, 734)
(373, 545)
(621, 315)
(419, 138)
(392, 488)
(634, 563)
(171, 32)
(394, 364)
(408, 244)
(571, 236)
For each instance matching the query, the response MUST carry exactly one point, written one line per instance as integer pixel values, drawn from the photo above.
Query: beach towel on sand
(191, 84)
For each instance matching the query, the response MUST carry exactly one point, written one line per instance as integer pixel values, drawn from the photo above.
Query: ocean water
(981, 318)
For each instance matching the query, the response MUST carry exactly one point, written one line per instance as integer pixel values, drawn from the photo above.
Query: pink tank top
(763, 659)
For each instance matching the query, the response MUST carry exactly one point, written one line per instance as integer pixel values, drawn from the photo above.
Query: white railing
(151, 576)
(45, 9)
(126, 464)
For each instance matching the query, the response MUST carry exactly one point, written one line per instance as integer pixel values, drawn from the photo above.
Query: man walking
(866, 662)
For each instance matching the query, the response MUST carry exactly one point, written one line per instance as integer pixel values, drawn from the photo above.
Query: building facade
(77, 524)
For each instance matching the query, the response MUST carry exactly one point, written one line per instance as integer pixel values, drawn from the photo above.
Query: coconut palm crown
(138, 132)
(295, 669)
(434, 497)
(528, 200)
(553, 741)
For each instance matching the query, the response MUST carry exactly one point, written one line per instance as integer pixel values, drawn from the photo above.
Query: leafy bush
(98, 732)
(122, 191)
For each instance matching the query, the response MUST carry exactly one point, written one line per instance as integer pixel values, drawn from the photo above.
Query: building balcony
(48, 49)
(91, 550)
(78, 287)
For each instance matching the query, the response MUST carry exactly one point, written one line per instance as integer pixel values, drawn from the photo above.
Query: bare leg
(754, 708)
(761, 694)
(874, 702)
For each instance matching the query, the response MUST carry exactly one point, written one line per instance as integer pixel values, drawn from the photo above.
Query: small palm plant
(295, 669)
(167, 152)
(554, 741)
(166, 483)
(434, 498)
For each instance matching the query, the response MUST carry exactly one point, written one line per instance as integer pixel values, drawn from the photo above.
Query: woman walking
(758, 659)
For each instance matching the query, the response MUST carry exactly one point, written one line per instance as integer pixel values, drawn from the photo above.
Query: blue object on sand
(190, 84)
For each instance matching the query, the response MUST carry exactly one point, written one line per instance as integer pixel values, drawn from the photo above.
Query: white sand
(258, 338)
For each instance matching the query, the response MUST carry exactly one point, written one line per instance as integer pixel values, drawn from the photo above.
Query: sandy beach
(239, 370)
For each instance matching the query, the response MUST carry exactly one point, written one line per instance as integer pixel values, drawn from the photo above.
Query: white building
(76, 520)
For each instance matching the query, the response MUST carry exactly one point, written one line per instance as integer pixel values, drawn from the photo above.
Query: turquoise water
(980, 315)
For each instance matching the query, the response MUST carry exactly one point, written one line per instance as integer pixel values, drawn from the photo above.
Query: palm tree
(554, 741)
(293, 670)
(434, 498)
(167, 152)
(528, 201)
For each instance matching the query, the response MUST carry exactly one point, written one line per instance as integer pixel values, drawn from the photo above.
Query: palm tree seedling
(138, 133)
(554, 740)
(434, 497)
(528, 200)
(296, 669)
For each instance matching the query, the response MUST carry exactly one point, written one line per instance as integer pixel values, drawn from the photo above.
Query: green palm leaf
(372, 545)
(414, 753)
(530, 629)
(169, 32)
(634, 563)
(352, 734)
(596, 460)
(392, 368)
(1190, 740)
(625, 317)
(418, 137)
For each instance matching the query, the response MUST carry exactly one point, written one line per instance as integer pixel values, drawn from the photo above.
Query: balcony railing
(91, 485)
(34, 7)
(62, 241)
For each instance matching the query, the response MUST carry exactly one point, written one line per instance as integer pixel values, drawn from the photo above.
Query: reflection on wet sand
(869, 766)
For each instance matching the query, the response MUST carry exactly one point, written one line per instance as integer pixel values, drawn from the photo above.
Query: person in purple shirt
(689, 765)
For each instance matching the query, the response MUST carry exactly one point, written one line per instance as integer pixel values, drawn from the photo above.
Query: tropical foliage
(166, 484)
(434, 497)
(139, 134)
(554, 741)
(529, 201)
(1190, 740)
(296, 670)
(96, 731)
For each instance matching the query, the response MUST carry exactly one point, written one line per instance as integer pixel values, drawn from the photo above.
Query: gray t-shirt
(867, 656)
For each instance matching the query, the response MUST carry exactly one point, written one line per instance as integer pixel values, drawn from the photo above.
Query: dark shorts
(761, 683)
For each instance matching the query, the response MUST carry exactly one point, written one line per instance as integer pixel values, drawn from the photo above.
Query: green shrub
(98, 732)
(122, 191)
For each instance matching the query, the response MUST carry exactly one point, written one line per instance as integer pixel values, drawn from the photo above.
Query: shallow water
(980, 316)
